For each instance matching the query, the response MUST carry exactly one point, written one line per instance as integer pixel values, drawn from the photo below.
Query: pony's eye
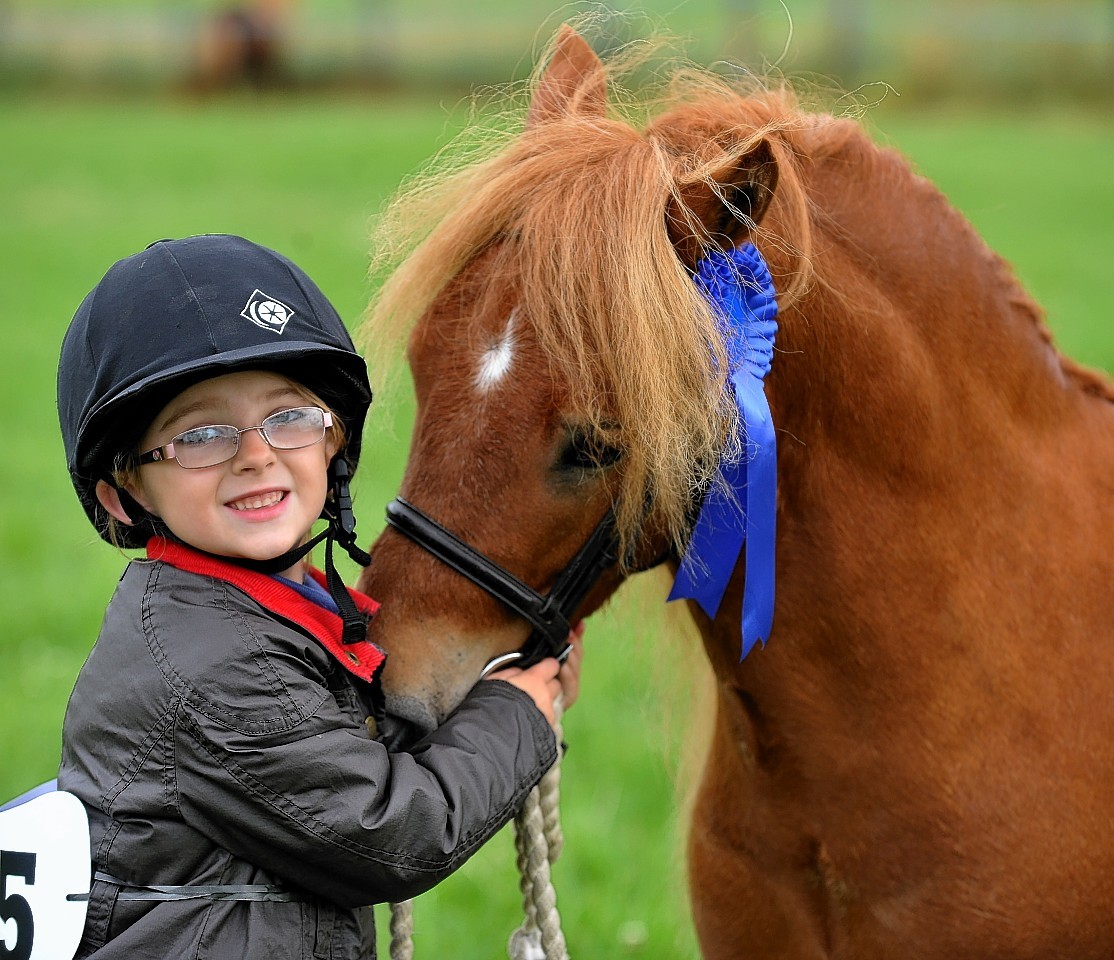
(588, 451)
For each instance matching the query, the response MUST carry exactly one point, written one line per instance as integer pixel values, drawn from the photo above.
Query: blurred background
(985, 48)
(291, 122)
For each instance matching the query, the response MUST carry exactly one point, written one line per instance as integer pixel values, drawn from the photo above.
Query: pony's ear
(723, 213)
(574, 82)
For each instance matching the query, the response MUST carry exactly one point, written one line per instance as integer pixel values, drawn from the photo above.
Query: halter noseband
(548, 614)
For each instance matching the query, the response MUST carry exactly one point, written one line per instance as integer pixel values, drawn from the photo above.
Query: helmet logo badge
(265, 311)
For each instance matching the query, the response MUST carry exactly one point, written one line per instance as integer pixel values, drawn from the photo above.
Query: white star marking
(497, 358)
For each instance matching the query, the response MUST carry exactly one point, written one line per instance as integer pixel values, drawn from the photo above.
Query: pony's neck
(912, 323)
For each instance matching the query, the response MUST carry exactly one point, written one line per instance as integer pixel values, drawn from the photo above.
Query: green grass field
(85, 182)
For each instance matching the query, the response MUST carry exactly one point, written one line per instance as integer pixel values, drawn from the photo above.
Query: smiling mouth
(258, 502)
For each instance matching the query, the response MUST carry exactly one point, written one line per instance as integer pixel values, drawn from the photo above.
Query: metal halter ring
(495, 663)
(504, 659)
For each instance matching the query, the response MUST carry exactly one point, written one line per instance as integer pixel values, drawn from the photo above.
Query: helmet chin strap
(341, 529)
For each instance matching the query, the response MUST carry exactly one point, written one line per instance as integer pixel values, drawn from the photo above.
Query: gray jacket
(215, 742)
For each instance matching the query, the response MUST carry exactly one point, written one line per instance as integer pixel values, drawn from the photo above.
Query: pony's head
(564, 361)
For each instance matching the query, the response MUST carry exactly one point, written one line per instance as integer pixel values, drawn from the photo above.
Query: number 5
(15, 907)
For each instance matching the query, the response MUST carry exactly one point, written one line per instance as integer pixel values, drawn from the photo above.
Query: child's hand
(540, 681)
(547, 680)
(570, 669)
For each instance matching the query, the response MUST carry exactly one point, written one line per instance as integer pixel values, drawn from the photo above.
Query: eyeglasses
(207, 446)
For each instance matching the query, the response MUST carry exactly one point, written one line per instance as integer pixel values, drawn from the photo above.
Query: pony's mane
(573, 211)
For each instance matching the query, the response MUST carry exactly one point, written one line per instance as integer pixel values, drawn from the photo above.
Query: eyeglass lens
(285, 430)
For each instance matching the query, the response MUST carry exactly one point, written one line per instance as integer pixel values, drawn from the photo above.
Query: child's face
(257, 505)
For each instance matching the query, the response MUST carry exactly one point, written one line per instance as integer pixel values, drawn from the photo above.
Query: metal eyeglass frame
(166, 451)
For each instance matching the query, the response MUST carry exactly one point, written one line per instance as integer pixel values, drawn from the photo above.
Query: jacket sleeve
(270, 766)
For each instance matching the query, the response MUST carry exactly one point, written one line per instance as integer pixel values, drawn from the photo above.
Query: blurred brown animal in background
(242, 47)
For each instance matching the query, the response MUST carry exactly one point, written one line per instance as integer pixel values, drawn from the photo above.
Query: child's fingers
(540, 681)
(570, 670)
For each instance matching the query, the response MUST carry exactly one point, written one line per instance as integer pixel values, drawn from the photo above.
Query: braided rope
(402, 930)
(538, 842)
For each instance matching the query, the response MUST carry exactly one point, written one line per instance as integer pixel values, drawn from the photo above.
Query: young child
(222, 732)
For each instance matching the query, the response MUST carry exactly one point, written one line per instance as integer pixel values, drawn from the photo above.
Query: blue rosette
(739, 510)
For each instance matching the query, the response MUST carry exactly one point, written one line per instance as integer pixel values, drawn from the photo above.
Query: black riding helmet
(182, 311)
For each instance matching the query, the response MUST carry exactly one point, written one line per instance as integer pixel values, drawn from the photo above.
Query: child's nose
(253, 450)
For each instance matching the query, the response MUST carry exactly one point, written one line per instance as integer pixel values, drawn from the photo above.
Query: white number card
(44, 877)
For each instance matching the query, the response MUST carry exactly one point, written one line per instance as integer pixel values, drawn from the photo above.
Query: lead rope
(538, 843)
(402, 930)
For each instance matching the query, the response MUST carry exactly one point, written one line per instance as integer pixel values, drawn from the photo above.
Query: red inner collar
(362, 659)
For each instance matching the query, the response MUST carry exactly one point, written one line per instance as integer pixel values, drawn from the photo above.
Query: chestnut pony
(920, 762)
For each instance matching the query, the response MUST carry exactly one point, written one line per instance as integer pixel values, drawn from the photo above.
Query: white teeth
(254, 503)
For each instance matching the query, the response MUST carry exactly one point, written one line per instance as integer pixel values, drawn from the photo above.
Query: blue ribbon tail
(722, 529)
(715, 545)
(758, 593)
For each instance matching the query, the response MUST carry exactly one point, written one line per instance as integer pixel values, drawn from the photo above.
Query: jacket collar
(363, 659)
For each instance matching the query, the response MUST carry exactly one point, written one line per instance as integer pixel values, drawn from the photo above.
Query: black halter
(549, 614)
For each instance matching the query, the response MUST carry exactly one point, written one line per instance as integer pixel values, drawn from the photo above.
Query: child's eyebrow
(181, 414)
(203, 404)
